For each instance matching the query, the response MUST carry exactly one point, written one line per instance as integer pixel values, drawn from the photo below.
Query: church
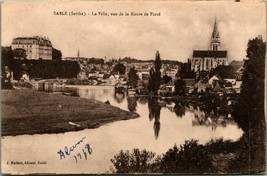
(206, 60)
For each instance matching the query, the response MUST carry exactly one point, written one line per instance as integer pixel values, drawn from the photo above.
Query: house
(143, 74)
(232, 81)
(167, 88)
(237, 86)
(218, 86)
(214, 78)
(82, 75)
(222, 86)
(112, 80)
(49, 85)
(201, 86)
(238, 67)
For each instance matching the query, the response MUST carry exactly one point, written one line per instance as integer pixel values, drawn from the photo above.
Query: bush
(220, 146)
(135, 162)
(189, 158)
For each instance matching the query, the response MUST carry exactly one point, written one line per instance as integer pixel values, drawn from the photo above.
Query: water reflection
(119, 97)
(132, 103)
(208, 116)
(202, 118)
(179, 110)
(154, 113)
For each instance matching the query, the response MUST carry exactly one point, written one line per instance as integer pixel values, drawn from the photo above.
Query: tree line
(45, 69)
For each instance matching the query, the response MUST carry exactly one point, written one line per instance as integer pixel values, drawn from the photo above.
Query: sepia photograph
(133, 87)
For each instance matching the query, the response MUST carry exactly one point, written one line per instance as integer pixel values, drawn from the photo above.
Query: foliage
(249, 111)
(188, 158)
(155, 75)
(96, 61)
(185, 71)
(56, 54)
(37, 68)
(45, 69)
(157, 62)
(250, 153)
(19, 53)
(132, 77)
(180, 87)
(224, 72)
(133, 60)
(7, 56)
(221, 146)
(135, 162)
(22, 84)
(119, 68)
(211, 102)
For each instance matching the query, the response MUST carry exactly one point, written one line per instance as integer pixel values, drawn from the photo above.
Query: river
(159, 127)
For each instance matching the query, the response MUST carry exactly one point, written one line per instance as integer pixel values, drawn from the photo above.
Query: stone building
(36, 47)
(205, 60)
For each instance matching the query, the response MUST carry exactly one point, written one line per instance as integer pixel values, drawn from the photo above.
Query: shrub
(135, 162)
(189, 158)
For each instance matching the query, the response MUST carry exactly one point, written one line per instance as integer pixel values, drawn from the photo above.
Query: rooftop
(210, 53)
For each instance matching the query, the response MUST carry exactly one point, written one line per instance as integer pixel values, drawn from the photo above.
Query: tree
(157, 62)
(185, 70)
(155, 75)
(132, 77)
(225, 72)
(249, 111)
(19, 53)
(56, 54)
(179, 87)
(119, 68)
(7, 56)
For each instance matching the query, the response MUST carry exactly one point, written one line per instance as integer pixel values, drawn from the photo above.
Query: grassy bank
(32, 112)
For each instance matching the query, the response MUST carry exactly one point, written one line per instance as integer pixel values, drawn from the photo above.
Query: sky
(181, 27)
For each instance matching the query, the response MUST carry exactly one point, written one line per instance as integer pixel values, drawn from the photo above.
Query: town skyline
(175, 33)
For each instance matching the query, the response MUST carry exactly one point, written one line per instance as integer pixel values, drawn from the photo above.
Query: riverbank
(27, 111)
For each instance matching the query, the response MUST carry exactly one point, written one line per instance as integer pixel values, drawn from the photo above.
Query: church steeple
(78, 54)
(215, 33)
(215, 38)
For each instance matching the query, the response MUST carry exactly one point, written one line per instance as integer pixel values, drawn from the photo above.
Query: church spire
(215, 33)
(215, 38)
(78, 54)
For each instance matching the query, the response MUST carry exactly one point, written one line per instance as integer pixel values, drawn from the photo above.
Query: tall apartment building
(36, 47)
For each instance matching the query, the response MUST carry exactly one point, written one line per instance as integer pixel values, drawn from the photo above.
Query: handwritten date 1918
(86, 150)
(69, 150)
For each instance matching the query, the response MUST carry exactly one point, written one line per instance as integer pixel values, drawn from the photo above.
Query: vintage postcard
(108, 87)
